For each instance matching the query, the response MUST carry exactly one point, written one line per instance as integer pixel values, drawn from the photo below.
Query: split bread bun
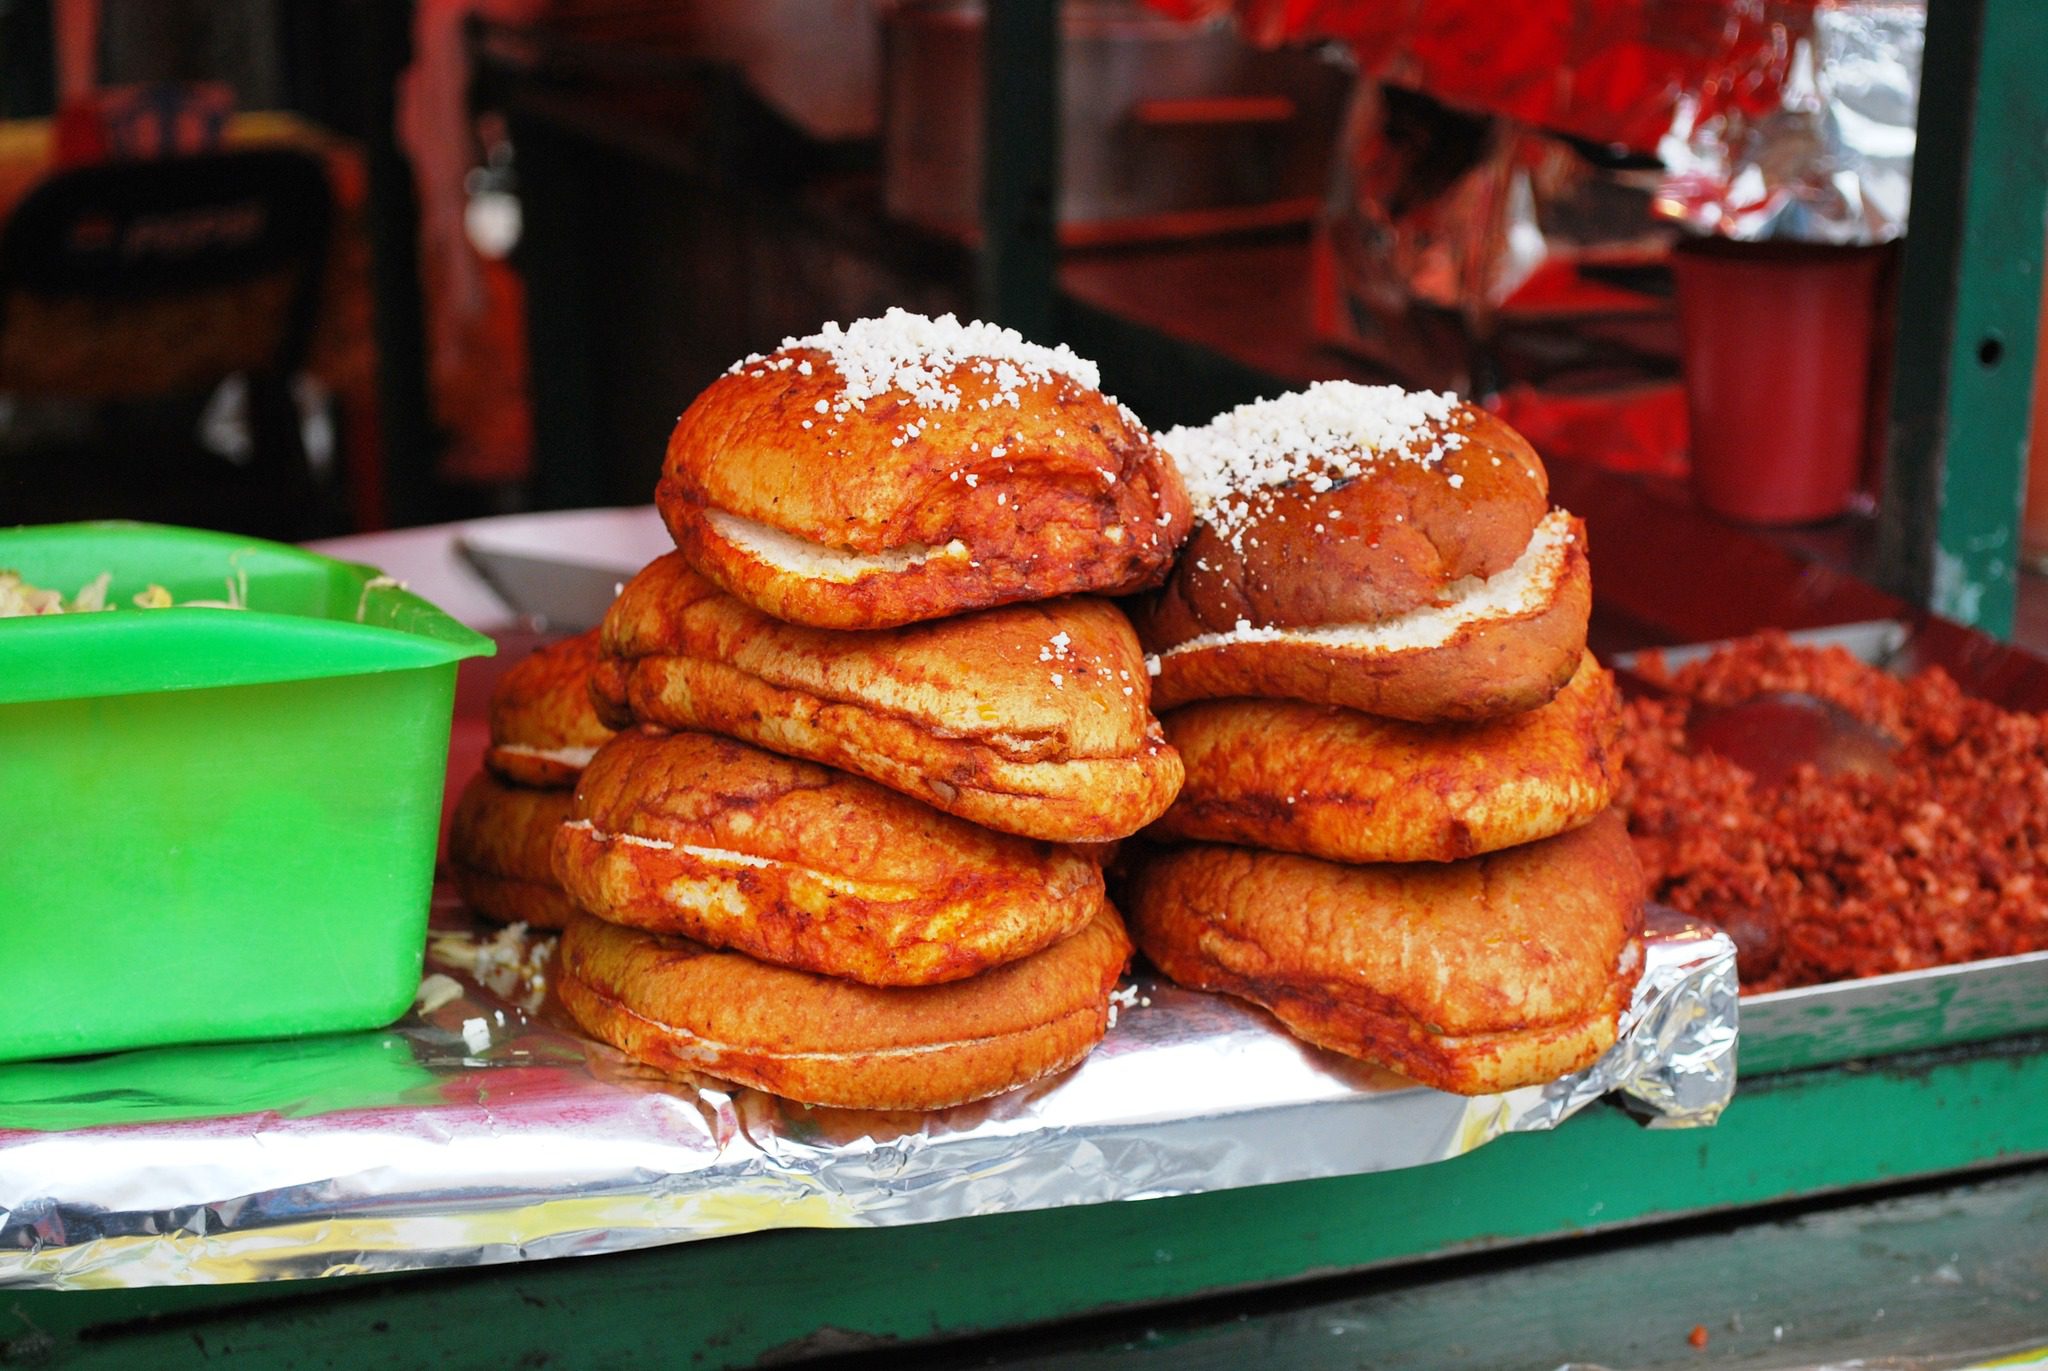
(1476, 976)
(500, 845)
(680, 1006)
(1373, 548)
(805, 867)
(1029, 719)
(543, 727)
(1350, 787)
(905, 468)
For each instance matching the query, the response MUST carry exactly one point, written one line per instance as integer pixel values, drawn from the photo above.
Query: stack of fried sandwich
(544, 730)
(876, 734)
(1394, 831)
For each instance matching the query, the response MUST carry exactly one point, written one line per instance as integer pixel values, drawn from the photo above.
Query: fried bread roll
(1350, 787)
(1475, 976)
(500, 845)
(806, 867)
(1373, 548)
(905, 468)
(543, 727)
(1029, 719)
(680, 1006)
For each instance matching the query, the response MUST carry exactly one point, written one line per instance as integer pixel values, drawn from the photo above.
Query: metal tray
(562, 570)
(1939, 1006)
(1817, 1025)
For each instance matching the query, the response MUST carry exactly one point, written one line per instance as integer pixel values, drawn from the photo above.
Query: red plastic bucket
(1777, 344)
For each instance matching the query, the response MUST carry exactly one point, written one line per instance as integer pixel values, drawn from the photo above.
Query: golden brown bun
(680, 1006)
(805, 867)
(500, 841)
(1061, 493)
(1476, 976)
(1029, 719)
(1350, 787)
(509, 900)
(1390, 540)
(542, 706)
(1497, 664)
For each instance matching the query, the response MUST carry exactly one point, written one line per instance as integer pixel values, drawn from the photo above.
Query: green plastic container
(292, 1077)
(215, 823)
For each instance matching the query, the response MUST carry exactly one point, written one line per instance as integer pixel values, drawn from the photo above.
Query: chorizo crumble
(1825, 878)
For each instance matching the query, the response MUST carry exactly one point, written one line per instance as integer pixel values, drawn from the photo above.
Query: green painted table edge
(779, 1294)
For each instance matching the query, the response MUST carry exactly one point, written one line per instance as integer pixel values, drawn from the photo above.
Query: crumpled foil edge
(536, 1144)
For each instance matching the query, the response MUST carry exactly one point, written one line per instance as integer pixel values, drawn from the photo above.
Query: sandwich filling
(567, 756)
(720, 856)
(712, 1052)
(795, 556)
(1520, 589)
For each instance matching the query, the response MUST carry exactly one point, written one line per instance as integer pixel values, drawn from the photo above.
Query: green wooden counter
(1920, 1117)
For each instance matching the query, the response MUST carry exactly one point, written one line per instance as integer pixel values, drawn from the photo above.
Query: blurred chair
(140, 286)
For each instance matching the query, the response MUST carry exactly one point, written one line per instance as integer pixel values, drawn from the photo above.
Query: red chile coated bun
(905, 468)
(1028, 719)
(1388, 551)
(500, 851)
(1474, 976)
(681, 1006)
(1350, 787)
(806, 867)
(544, 728)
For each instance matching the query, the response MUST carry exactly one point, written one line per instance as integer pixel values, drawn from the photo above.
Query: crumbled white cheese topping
(510, 964)
(916, 356)
(436, 990)
(1125, 997)
(1331, 432)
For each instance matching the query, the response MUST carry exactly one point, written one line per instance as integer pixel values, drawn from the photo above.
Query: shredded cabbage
(19, 599)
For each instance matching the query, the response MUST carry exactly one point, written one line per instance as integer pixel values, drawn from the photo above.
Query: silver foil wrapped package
(477, 1131)
(1507, 171)
(1455, 244)
(1830, 158)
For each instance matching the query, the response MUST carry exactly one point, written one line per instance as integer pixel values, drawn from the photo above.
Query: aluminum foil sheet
(478, 1131)
(1829, 157)
(1780, 119)
(1511, 177)
(1457, 248)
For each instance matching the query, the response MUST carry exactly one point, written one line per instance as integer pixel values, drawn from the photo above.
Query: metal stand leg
(1968, 302)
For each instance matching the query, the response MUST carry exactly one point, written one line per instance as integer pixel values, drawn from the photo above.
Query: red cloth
(1610, 71)
(1640, 429)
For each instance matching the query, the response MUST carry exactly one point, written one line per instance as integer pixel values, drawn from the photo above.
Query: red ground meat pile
(1829, 878)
